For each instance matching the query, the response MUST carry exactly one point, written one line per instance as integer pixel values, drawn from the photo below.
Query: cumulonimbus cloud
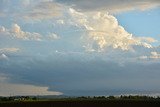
(104, 31)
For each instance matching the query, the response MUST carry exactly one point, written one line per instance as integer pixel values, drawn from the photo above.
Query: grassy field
(83, 103)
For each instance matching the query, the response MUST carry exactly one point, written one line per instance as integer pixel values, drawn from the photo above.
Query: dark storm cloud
(78, 77)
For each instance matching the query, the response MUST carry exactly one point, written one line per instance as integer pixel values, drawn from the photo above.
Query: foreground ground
(84, 103)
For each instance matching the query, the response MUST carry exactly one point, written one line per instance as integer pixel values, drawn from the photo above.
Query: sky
(79, 47)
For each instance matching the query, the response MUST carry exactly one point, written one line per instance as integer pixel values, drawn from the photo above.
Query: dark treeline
(122, 97)
(34, 98)
(18, 98)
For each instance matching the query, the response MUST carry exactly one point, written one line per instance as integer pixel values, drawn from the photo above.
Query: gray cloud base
(83, 77)
(111, 5)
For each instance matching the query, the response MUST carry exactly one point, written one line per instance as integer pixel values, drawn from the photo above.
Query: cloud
(143, 57)
(9, 50)
(18, 33)
(43, 10)
(155, 55)
(104, 31)
(2, 29)
(4, 51)
(53, 36)
(60, 22)
(148, 39)
(30, 10)
(8, 88)
(56, 63)
(3, 57)
(100, 76)
(113, 6)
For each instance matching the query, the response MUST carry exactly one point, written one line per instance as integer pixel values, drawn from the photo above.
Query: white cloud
(53, 36)
(16, 28)
(18, 33)
(3, 57)
(2, 29)
(152, 55)
(155, 55)
(143, 57)
(104, 31)
(4, 51)
(60, 22)
(148, 39)
(113, 6)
